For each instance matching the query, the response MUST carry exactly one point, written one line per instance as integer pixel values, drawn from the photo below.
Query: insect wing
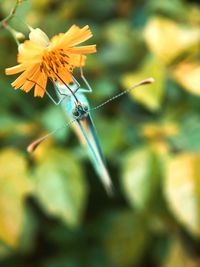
(87, 134)
(90, 135)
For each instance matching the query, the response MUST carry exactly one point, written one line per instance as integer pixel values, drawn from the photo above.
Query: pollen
(52, 62)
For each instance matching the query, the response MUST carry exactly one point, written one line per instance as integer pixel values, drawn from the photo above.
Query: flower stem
(12, 13)
(12, 32)
(4, 23)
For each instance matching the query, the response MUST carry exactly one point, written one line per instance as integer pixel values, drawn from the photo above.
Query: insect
(72, 98)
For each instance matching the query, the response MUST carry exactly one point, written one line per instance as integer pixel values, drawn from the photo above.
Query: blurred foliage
(53, 209)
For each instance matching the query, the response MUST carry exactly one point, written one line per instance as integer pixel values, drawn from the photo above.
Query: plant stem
(3, 23)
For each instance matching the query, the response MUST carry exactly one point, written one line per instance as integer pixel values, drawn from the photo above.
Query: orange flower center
(52, 61)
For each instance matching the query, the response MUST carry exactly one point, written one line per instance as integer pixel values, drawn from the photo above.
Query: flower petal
(40, 87)
(24, 76)
(88, 49)
(15, 69)
(31, 81)
(81, 35)
(65, 76)
(77, 60)
(73, 36)
(30, 52)
(39, 37)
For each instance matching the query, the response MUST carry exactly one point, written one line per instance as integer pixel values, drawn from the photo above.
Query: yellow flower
(40, 58)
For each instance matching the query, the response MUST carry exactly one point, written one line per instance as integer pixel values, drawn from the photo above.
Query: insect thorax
(80, 111)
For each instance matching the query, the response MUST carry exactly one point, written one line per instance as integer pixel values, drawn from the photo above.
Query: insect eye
(75, 112)
(85, 107)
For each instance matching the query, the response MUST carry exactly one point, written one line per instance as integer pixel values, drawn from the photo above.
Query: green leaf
(181, 187)
(54, 118)
(28, 235)
(104, 87)
(61, 261)
(140, 177)
(176, 9)
(14, 187)
(150, 96)
(124, 238)
(60, 187)
(113, 140)
(188, 137)
(122, 46)
(7, 124)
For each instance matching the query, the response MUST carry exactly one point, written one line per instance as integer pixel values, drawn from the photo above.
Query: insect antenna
(32, 147)
(143, 82)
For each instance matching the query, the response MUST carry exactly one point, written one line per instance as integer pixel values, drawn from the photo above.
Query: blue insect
(75, 104)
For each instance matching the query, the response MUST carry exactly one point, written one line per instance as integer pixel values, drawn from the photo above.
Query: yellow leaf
(140, 177)
(150, 95)
(168, 39)
(14, 186)
(188, 75)
(157, 131)
(179, 257)
(11, 212)
(182, 190)
(26, 128)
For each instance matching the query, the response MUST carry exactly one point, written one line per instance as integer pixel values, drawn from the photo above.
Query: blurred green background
(54, 211)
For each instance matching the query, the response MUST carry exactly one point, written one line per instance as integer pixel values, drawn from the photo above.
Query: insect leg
(53, 100)
(89, 90)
